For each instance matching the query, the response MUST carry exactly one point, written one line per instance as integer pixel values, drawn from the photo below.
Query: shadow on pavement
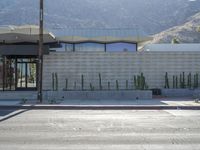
(8, 114)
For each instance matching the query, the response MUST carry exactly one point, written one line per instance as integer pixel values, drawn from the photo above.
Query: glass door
(26, 75)
(21, 75)
(31, 75)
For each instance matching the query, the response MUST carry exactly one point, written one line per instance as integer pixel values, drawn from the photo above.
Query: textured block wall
(120, 66)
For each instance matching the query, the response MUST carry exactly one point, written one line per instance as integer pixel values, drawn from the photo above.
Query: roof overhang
(22, 49)
(24, 34)
(103, 40)
(30, 34)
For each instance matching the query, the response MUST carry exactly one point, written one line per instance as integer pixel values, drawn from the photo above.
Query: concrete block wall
(18, 95)
(98, 95)
(195, 93)
(178, 92)
(119, 66)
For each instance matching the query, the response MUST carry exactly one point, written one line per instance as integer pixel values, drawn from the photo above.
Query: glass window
(28, 60)
(89, 47)
(18, 73)
(68, 47)
(96, 47)
(121, 47)
(63, 47)
(26, 75)
(9, 74)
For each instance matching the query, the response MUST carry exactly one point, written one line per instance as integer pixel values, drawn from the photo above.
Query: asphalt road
(96, 129)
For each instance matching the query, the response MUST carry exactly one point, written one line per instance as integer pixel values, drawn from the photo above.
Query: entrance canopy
(104, 40)
(30, 34)
(104, 36)
(23, 34)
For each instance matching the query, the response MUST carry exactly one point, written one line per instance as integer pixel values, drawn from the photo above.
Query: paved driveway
(109, 130)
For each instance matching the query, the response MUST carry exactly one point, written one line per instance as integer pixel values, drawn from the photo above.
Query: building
(88, 55)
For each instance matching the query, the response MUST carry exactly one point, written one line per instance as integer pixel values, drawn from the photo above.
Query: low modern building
(90, 55)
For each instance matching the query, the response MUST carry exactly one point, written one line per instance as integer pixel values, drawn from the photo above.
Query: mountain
(152, 16)
(186, 33)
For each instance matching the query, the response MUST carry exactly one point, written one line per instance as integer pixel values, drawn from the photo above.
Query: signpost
(40, 52)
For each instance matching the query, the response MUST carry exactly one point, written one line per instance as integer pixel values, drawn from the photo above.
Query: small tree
(198, 29)
(175, 41)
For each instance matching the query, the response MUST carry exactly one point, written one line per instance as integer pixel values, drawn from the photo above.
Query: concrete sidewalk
(153, 102)
(159, 103)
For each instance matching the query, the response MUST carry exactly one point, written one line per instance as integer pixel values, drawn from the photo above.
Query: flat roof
(172, 47)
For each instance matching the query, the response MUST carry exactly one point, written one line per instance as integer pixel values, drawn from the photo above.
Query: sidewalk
(9, 102)
(159, 103)
(153, 102)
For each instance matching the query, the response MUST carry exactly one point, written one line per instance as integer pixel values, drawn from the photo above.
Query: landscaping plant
(166, 81)
(82, 82)
(140, 82)
(117, 85)
(108, 85)
(91, 87)
(66, 84)
(56, 80)
(53, 82)
(126, 84)
(100, 84)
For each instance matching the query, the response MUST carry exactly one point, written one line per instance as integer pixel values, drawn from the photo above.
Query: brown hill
(186, 33)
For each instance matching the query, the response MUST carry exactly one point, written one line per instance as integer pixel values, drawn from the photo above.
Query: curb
(98, 107)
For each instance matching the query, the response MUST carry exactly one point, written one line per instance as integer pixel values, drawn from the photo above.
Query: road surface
(99, 130)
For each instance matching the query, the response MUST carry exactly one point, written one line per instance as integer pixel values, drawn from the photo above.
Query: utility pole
(40, 52)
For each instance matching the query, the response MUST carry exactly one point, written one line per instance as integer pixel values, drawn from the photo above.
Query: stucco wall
(120, 66)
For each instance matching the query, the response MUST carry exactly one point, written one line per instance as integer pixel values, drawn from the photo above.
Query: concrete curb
(99, 107)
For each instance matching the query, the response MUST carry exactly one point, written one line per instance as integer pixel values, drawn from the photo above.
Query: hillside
(152, 16)
(186, 33)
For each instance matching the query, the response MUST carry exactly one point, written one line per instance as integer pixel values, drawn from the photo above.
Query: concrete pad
(181, 103)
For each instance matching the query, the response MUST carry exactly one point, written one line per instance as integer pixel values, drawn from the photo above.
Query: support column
(40, 53)
(136, 46)
(4, 73)
(74, 47)
(105, 47)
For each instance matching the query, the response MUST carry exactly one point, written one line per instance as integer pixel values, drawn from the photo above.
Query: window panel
(89, 47)
(121, 47)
